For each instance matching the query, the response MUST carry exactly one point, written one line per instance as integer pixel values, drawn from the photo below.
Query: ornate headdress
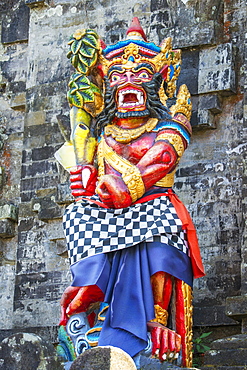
(135, 49)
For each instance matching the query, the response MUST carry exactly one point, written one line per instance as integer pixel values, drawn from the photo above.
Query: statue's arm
(157, 162)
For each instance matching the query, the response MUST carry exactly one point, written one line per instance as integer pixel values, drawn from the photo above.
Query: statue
(131, 242)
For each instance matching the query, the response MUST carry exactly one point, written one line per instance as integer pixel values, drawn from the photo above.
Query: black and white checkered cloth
(90, 229)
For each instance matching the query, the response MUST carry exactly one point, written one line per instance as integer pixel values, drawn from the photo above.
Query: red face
(130, 95)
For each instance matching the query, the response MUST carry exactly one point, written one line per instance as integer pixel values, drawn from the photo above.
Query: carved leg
(184, 310)
(162, 289)
(166, 342)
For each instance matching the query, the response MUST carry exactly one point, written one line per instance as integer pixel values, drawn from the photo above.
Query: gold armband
(132, 178)
(175, 140)
(161, 315)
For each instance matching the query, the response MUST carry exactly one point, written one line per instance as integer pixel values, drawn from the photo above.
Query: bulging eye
(144, 75)
(115, 78)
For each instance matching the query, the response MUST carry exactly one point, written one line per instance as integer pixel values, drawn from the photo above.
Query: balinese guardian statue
(132, 245)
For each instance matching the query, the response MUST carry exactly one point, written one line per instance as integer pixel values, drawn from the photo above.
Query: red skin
(77, 186)
(153, 159)
(78, 299)
(166, 343)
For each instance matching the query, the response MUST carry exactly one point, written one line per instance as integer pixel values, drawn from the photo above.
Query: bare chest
(134, 150)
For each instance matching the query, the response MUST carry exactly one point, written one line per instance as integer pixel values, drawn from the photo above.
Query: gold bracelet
(133, 179)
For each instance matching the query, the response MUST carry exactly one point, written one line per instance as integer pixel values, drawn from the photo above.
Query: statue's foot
(166, 343)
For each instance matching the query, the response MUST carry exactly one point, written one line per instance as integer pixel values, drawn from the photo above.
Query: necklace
(125, 135)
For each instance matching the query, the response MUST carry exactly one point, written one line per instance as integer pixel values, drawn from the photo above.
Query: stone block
(189, 70)
(36, 3)
(9, 211)
(18, 102)
(205, 119)
(226, 357)
(61, 248)
(216, 70)
(212, 315)
(7, 228)
(47, 209)
(236, 307)
(35, 118)
(211, 102)
(28, 351)
(208, 106)
(64, 194)
(233, 342)
(15, 25)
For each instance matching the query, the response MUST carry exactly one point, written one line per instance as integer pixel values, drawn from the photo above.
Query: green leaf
(73, 91)
(77, 99)
(72, 84)
(92, 32)
(82, 68)
(95, 88)
(87, 51)
(83, 83)
(205, 348)
(75, 76)
(90, 41)
(198, 348)
(93, 60)
(74, 60)
(71, 40)
(75, 47)
(69, 54)
(84, 60)
(204, 335)
(88, 96)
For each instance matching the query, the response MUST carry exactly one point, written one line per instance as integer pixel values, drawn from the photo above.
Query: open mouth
(130, 98)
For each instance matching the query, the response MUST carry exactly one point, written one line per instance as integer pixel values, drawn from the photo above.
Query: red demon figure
(131, 242)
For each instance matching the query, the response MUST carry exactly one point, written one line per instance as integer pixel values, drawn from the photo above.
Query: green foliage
(81, 90)
(199, 345)
(83, 51)
(199, 348)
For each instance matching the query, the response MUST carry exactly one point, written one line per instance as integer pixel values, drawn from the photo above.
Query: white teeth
(121, 98)
(139, 97)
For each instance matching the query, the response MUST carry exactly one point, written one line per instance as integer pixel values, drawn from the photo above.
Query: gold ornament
(188, 312)
(175, 140)
(125, 136)
(167, 181)
(130, 173)
(161, 315)
(183, 103)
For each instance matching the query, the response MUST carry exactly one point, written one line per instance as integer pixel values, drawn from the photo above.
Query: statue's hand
(166, 343)
(83, 180)
(113, 192)
(78, 299)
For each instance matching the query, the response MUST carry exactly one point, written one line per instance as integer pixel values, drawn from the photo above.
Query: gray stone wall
(211, 179)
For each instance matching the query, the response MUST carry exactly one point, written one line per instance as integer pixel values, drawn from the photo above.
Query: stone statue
(131, 242)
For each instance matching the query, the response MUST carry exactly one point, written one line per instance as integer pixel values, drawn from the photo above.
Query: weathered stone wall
(211, 179)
